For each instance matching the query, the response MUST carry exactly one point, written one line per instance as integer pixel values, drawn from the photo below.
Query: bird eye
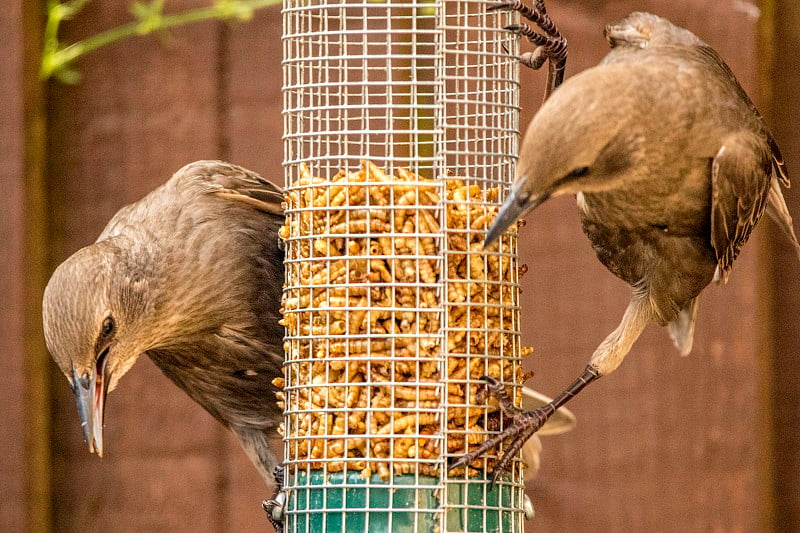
(578, 172)
(108, 326)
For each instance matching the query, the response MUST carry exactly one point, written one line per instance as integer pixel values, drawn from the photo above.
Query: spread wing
(740, 184)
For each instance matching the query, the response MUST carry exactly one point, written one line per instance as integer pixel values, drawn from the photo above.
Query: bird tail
(531, 453)
(681, 330)
(777, 210)
(257, 445)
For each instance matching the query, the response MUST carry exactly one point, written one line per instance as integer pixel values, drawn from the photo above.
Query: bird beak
(90, 395)
(516, 204)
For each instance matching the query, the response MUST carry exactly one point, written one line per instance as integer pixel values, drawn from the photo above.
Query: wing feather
(740, 184)
(234, 183)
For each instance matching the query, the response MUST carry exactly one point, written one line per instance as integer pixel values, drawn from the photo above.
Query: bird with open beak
(672, 167)
(190, 275)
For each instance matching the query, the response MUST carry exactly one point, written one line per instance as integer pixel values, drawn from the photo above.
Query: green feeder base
(352, 504)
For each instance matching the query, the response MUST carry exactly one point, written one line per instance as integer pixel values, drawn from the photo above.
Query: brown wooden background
(705, 443)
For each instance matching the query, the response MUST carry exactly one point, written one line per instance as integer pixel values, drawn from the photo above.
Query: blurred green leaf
(231, 9)
(58, 59)
(150, 16)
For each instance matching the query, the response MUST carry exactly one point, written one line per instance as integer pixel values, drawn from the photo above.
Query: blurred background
(705, 443)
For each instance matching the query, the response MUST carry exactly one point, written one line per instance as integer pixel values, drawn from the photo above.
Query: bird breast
(663, 248)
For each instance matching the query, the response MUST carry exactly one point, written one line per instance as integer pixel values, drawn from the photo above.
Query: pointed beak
(90, 396)
(517, 204)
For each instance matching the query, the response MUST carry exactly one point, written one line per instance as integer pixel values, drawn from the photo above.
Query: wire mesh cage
(400, 132)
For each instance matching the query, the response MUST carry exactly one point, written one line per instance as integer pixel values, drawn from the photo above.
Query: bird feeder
(400, 136)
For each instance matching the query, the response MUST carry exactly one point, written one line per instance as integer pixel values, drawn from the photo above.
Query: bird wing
(778, 164)
(118, 222)
(235, 183)
(626, 33)
(221, 179)
(740, 183)
(712, 59)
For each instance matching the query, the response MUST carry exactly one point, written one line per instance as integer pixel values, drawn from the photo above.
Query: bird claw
(467, 459)
(274, 507)
(533, 60)
(497, 389)
(522, 426)
(551, 45)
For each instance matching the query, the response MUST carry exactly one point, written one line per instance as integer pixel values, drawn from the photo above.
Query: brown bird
(672, 166)
(190, 275)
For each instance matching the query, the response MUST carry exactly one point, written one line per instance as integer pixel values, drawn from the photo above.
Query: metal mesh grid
(392, 310)
(359, 82)
(478, 121)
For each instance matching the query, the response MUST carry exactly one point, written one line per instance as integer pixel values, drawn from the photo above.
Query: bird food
(370, 257)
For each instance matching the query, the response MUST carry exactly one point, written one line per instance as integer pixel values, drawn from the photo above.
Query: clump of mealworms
(382, 297)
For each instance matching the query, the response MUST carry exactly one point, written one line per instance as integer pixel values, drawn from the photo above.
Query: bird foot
(274, 507)
(550, 44)
(520, 426)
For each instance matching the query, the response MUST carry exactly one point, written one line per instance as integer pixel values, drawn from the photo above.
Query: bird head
(90, 314)
(581, 140)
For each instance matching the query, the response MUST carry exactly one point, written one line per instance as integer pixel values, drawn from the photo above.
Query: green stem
(56, 13)
(55, 59)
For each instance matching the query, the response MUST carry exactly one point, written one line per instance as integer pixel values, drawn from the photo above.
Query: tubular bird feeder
(400, 134)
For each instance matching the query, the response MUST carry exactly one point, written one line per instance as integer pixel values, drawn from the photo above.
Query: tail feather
(681, 330)
(777, 211)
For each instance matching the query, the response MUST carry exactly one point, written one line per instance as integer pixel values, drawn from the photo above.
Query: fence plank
(13, 482)
(784, 78)
(24, 430)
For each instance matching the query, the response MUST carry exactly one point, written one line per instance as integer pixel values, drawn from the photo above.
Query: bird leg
(550, 44)
(606, 359)
(523, 423)
(274, 506)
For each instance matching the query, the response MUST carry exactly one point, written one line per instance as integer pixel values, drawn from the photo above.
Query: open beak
(517, 203)
(90, 395)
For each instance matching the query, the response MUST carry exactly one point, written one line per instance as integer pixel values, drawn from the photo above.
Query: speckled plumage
(672, 164)
(192, 275)
(672, 167)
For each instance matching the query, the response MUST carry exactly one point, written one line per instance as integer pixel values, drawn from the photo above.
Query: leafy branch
(58, 59)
